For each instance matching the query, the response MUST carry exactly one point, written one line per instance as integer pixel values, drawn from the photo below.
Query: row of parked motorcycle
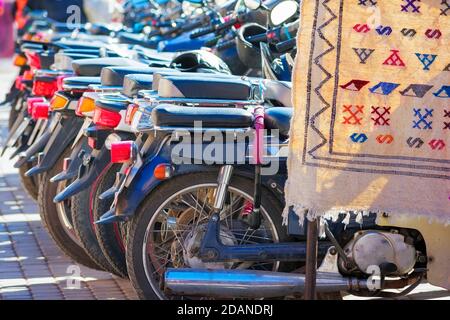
(99, 114)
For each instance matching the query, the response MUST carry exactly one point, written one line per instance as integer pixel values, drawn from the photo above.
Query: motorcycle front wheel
(171, 217)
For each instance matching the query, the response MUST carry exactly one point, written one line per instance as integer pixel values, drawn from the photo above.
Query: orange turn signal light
(58, 102)
(85, 104)
(20, 61)
(162, 171)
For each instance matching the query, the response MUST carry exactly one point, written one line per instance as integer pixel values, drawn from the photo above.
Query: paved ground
(33, 267)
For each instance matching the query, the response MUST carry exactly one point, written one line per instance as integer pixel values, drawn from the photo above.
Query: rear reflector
(40, 110)
(44, 88)
(66, 163)
(32, 101)
(162, 171)
(85, 104)
(131, 111)
(106, 118)
(18, 84)
(123, 151)
(58, 102)
(92, 142)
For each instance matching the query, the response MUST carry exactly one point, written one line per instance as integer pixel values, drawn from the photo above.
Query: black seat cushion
(137, 39)
(175, 116)
(112, 105)
(93, 67)
(157, 76)
(279, 118)
(81, 81)
(78, 55)
(114, 76)
(133, 83)
(204, 87)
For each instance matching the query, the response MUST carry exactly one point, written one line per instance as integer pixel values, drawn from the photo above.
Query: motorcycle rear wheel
(110, 236)
(148, 286)
(83, 222)
(30, 184)
(56, 217)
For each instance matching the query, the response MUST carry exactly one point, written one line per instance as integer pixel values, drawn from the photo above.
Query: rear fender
(62, 137)
(145, 182)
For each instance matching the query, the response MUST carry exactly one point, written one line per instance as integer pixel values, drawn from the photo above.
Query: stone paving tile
(31, 264)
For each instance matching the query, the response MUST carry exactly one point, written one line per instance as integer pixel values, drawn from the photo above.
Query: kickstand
(312, 236)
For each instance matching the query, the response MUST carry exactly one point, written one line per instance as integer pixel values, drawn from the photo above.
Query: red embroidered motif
(394, 59)
(388, 139)
(353, 112)
(381, 115)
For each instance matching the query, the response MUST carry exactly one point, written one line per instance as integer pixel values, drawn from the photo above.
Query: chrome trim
(101, 88)
(193, 129)
(67, 87)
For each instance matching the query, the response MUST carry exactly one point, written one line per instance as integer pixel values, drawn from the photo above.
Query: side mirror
(283, 11)
(253, 4)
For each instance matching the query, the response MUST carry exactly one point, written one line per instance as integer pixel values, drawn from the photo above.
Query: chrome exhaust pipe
(250, 283)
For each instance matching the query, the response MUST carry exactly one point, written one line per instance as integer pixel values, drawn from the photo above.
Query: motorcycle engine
(377, 248)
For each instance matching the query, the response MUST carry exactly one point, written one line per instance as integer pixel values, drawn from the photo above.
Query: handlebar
(227, 24)
(286, 45)
(201, 32)
(257, 38)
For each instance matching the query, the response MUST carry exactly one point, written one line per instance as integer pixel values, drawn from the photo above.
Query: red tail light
(123, 151)
(44, 88)
(131, 110)
(34, 60)
(106, 118)
(32, 101)
(40, 110)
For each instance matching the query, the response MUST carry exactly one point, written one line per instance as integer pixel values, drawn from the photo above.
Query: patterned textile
(371, 127)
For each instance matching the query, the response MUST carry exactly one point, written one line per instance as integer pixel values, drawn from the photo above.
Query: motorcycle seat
(80, 81)
(93, 67)
(204, 87)
(278, 118)
(166, 115)
(78, 44)
(279, 92)
(114, 76)
(133, 83)
(157, 76)
(137, 39)
(112, 105)
(78, 56)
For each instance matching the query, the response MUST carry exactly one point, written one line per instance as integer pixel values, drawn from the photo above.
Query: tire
(51, 219)
(153, 203)
(109, 235)
(30, 184)
(83, 222)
